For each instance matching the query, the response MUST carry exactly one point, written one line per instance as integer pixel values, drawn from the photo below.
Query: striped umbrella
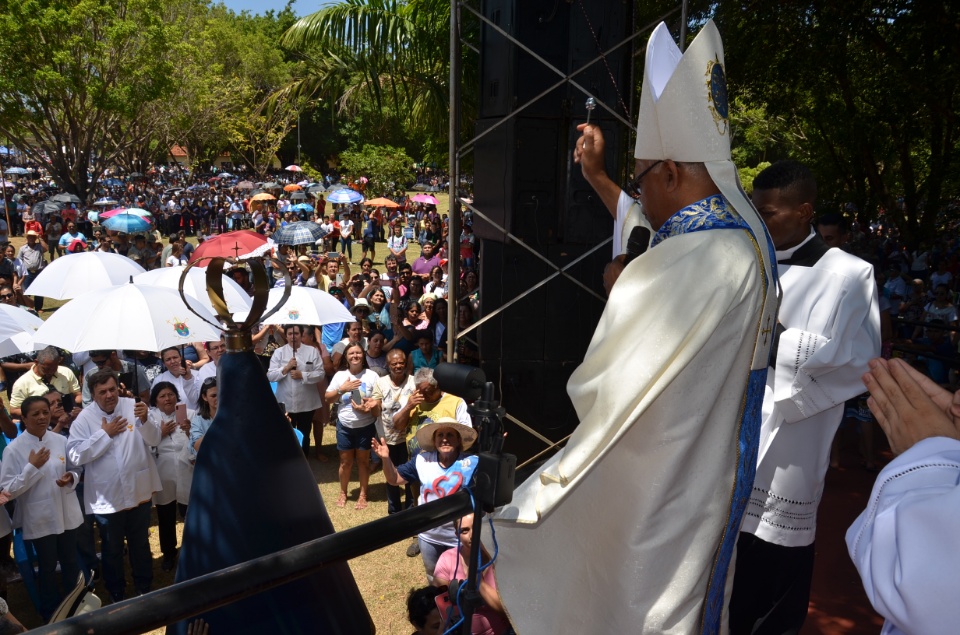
(300, 233)
(345, 196)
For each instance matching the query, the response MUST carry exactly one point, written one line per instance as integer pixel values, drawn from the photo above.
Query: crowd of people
(105, 461)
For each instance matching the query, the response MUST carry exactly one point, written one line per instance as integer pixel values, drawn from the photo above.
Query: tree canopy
(866, 93)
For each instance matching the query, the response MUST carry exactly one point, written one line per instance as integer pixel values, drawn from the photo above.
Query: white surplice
(832, 329)
(622, 531)
(906, 543)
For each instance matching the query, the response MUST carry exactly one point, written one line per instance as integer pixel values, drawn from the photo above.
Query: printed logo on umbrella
(180, 326)
(293, 314)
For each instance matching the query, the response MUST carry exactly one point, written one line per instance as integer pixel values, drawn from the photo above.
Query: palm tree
(389, 52)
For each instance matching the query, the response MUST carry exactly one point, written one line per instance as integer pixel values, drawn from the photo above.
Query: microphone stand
(493, 488)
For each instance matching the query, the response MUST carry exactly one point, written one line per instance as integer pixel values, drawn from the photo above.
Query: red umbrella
(230, 245)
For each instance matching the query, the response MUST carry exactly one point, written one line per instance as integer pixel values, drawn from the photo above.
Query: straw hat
(468, 436)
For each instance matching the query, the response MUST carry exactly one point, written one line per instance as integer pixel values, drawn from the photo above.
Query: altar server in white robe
(631, 528)
(829, 328)
(906, 543)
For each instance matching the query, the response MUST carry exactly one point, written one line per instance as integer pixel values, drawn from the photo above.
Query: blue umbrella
(127, 224)
(345, 196)
(302, 207)
(301, 233)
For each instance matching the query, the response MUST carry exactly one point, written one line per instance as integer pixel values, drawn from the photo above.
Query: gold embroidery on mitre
(716, 81)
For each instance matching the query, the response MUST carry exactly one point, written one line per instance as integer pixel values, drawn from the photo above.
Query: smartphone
(339, 279)
(356, 397)
(181, 414)
(332, 255)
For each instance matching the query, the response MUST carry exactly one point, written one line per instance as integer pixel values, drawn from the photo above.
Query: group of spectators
(99, 461)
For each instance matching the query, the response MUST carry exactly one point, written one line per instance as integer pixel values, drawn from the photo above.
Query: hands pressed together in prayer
(909, 406)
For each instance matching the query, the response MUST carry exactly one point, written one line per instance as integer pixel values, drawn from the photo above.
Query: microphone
(637, 243)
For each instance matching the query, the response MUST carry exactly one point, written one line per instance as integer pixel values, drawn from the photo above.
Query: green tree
(393, 54)
(75, 73)
(872, 85)
(387, 168)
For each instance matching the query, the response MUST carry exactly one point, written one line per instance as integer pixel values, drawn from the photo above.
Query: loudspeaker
(526, 183)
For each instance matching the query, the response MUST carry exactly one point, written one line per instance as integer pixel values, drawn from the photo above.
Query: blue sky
(301, 7)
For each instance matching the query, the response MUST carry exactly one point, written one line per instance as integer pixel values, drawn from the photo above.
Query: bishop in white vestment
(631, 527)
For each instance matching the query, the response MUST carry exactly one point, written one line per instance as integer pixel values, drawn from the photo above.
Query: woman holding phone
(352, 389)
(173, 464)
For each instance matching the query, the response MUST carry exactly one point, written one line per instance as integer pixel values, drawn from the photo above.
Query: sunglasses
(208, 382)
(4, 296)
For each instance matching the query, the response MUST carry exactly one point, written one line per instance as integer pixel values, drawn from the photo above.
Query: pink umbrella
(424, 198)
(113, 212)
(293, 168)
(133, 211)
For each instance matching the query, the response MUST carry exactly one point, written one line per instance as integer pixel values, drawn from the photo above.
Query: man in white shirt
(181, 375)
(827, 331)
(392, 392)
(346, 236)
(297, 369)
(111, 439)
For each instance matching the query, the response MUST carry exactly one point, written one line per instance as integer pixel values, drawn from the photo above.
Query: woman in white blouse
(173, 463)
(34, 471)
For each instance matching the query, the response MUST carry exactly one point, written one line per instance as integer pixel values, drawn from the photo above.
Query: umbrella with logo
(345, 196)
(307, 306)
(195, 286)
(68, 277)
(128, 316)
(300, 233)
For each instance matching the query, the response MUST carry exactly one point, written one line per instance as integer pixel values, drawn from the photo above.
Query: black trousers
(167, 526)
(771, 587)
(399, 498)
(304, 423)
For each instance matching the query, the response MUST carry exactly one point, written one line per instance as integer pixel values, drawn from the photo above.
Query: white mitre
(684, 117)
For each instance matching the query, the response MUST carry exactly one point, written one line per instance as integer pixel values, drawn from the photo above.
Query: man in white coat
(828, 329)
(906, 543)
(631, 528)
(111, 439)
(297, 369)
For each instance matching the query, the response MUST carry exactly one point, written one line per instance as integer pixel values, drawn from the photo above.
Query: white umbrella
(307, 306)
(128, 316)
(195, 286)
(17, 328)
(75, 274)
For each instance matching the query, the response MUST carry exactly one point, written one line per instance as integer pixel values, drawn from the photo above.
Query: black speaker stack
(526, 182)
